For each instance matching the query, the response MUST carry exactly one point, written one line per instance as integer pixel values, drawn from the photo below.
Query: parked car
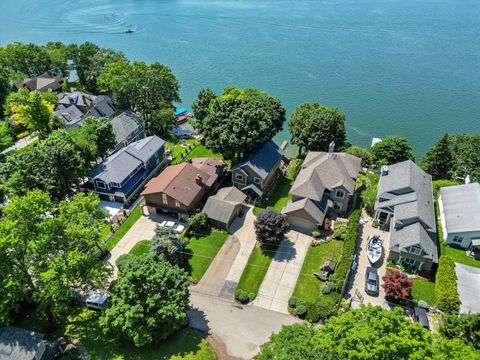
(96, 301)
(179, 228)
(371, 281)
(420, 316)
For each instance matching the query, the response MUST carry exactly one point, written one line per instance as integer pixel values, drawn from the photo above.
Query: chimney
(331, 147)
(198, 179)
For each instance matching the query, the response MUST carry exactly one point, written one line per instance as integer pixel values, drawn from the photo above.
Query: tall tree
(54, 165)
(314, 127)
(160, 122)
(466, 155)
(48, 252)
(438, 161)
(366, 333)
(26, 60)
(6, 138)
(149, 300)
(4, 88)
(360, 152)
(89, 61)
(201, 105)
(270, 227)
(238, 119)
(391, 150)
(140, 87)
(465, 327)
(165, 242)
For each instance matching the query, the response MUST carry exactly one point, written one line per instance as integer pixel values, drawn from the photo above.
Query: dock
(284, 144)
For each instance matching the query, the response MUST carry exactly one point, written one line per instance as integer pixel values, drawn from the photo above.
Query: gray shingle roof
(401, 239)
(461, 206)
(19, 344)
(262, 159)
(307, 207)
(221, 206)
(118, 166)
(322, 170)
(124, 124)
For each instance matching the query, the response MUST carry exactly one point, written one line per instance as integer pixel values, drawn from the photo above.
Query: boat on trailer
(374, 248)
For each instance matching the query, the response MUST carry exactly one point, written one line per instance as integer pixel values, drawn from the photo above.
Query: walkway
(21, 143)
(357, 278)
(242, 329)
(282, 275)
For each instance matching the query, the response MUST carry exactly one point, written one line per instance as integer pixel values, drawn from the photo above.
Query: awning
(180, 111)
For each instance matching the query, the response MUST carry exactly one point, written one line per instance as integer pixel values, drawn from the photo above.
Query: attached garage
(301, 224)
(303, 215)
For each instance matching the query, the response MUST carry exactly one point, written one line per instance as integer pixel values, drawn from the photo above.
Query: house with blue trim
(122, 175)
(256, 174)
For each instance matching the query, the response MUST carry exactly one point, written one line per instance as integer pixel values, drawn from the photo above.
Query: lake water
(406, 67)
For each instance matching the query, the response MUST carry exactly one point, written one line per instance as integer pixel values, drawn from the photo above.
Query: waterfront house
(223, 207)
(180, 189)
(325, 184)
(405, 207)
(255, 174)
(127, 128)
(22, 344)
(45, 83)
(122, 175)
(460, 215)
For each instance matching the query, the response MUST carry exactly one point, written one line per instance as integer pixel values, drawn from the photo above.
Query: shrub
(270, 227)
(198, 223)
(446, 285)
(349, 246)
(369, 196)
(241, 296)
(252, 296)
(397, 285)
(301, 310)
(316, 234)
(323, 308)
(340, 230)
(166, 242)
(327, 289)
(292, 302)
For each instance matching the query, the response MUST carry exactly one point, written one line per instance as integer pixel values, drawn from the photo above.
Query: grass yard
(178, 151)
(83, 325)
(458, 255)
(203, 249)
(308, 287)
(423, 290)
(256, 268)
(122, 230)
(278, 198)
(141, 248)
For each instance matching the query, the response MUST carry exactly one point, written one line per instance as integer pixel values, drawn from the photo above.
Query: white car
(179, 229)
(96, 301)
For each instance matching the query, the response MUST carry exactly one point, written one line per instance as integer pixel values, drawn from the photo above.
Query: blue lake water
(406, 67)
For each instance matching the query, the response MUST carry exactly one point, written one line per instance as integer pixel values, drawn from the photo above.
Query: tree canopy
(235, 121)
(140, 87)
(149, 300)
(365, 333)
(49, 251)
(465, 327)
(314, 127)
(270, 227)
(438, 161)
(165, 242)
(391, 150)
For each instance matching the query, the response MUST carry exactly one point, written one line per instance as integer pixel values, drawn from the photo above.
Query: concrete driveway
(242, 329)
(468, 285)
(356, 285)
(279, 282)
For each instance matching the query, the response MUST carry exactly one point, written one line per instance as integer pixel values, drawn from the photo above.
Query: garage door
(300, 224)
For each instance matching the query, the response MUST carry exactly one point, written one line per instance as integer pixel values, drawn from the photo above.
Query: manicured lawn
(278, 198)
(177, 149)
(256, 268)
(458, 255)
(423, 290)
(132, 219)
(105, 231)
(203, 249)
(140, 248)
(308, 287)
(83, 325)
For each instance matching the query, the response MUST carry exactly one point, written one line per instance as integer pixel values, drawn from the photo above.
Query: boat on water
(182, 116)
(374, 248)
(129, 30)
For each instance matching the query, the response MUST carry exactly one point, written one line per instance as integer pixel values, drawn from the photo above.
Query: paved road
(282, 275)
(21, 143)
(468, 284)
(241, 328)
(358, 276)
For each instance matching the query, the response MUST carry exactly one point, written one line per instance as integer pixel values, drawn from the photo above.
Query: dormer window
(339, 193)
(417, 250)
(101, 185)
(238, 176)
(117, 185)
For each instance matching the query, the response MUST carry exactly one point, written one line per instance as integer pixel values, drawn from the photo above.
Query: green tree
(270, 227)
(149, 300)
(391, 150)
(314, 127)
(369, 196)
(366, 333)
(360, 152)
(466, 155)
(140, 87)
(54, 165)
(4, 88)
(49, 251)
(160, 122)
(165, 242)
(28, 60)
(198, 223)
(446, 292)
(465, 327)
(438, 161)
(201, 106)
(89, 60)
(6, 138)
(238, 119)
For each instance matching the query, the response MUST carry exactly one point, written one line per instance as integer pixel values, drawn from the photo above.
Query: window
(338, 206)
(257, 180)
(177, 204)
(410, 262)
(458, 239)
(417, 250)
(117, 185)
(339, 193)
(101, 185)
(238, 176)
(164, 198)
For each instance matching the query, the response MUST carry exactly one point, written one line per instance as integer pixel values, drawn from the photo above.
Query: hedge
(348, 249)
(446, 285)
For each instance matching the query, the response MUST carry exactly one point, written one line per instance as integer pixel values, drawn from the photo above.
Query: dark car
(420, 316)
(371, 281)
